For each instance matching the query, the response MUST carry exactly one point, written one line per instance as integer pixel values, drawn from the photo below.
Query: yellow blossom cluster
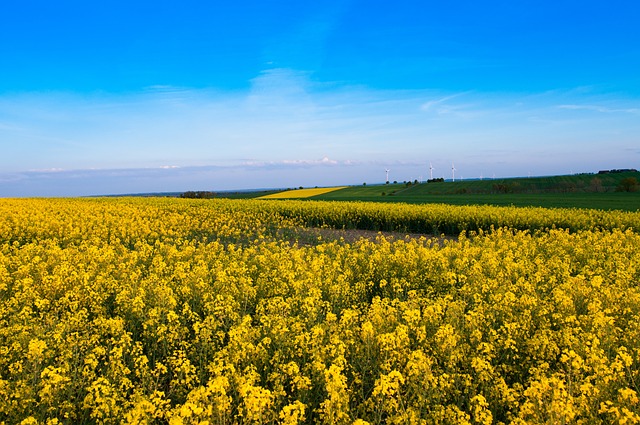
(442, 218)
(183, 311)
(302, 193)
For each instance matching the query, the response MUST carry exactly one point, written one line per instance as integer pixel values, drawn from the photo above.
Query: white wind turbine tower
(431, 171)
(387, 171)
(453, 172)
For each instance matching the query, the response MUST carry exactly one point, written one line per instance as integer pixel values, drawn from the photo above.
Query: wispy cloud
(441, 105)
(602, 109)
(298, 163)
(48, 170)
(312, 162)
(287, 123)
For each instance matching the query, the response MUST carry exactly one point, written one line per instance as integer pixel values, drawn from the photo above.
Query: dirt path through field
(316, 235)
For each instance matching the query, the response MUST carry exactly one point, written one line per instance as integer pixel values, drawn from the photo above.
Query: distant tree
(629, 184)
(364, 184)
(506, 188)
(200, 194)
(596, 185)
(567, 187)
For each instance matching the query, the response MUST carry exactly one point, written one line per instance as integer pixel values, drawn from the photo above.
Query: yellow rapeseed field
(301, 193)
(184, 311)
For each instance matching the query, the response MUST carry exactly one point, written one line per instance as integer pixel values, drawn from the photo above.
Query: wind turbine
(453, 172)
(431, 170)
(387, 171)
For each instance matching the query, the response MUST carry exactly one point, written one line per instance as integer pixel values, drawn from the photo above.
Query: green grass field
(603, 201)
(598, 191)
(575, 191)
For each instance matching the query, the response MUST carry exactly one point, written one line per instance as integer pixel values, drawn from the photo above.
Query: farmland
(596, 191)
(217, 311)
(301, 193)
(602, 201)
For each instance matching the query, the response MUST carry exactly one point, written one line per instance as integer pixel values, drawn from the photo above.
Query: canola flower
(301, 193)
(193, 312)
(448, 219)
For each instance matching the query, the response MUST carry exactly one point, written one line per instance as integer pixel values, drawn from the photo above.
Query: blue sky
(130, 97)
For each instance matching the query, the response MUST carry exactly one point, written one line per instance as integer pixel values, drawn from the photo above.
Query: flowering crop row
(302, 193)
(441, 218)
(182, 311)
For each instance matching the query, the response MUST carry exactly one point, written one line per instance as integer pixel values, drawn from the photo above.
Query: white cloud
(602, 109)
(439, 105)
(287, 123)
(298, 163)
(323, 161)
(49, 170)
